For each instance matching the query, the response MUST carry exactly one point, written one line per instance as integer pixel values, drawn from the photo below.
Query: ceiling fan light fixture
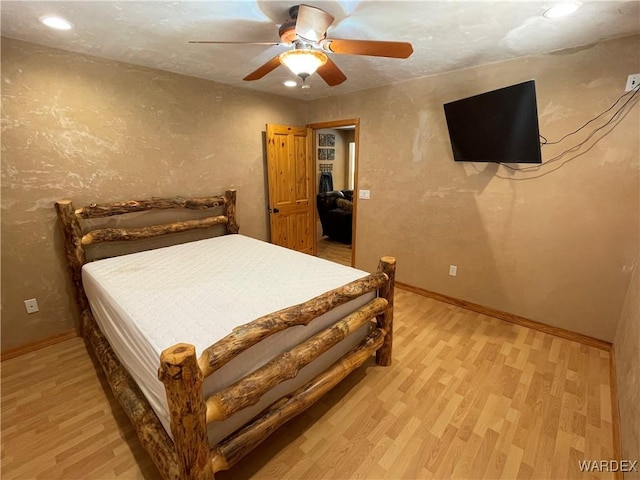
(303, 62)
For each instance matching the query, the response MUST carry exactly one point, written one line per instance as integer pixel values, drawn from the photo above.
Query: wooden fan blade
(312, 23)
(264, 69)
(369, 47)
(234, 43)
(331, 74)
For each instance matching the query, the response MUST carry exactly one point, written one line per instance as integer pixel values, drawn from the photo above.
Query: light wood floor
(335, 251)
(467, 396)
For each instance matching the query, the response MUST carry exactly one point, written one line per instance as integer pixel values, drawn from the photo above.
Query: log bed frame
(189, 455)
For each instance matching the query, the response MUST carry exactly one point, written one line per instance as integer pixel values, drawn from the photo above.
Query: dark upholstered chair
(335, 210)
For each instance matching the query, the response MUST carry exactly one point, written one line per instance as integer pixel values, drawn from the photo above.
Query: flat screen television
(498, 126)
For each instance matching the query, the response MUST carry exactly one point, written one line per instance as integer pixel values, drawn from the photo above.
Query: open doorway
(336, 165)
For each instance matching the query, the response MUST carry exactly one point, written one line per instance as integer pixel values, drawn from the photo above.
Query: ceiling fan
(306, 33)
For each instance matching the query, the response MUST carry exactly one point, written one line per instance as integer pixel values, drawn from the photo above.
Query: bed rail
(218, 354)
(152, 434)
(182, 373)
(249, 390)
(228, 452)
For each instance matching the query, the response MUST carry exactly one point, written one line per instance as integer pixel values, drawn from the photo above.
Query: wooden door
(289, 171)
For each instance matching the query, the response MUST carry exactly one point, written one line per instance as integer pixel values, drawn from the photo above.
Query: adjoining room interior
(514, 295)
(336, 165)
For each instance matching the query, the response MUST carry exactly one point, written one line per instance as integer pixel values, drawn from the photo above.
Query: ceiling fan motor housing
(287, 32)
(293, 12)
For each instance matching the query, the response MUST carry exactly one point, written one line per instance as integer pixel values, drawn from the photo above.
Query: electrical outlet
(364, 194)
(632, 82)
(453, 270)
(31, 305)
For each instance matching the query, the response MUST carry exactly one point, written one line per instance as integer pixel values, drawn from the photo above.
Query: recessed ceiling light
(290, 83)
(561, 10)
(58, 23)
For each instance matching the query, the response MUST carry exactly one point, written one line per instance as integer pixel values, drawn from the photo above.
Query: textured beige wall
(89, 129)
(556, 245)
(559, 248)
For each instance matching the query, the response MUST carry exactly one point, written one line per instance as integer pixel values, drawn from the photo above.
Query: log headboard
(76, 240)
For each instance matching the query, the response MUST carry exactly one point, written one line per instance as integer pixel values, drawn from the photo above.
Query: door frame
(335, 124)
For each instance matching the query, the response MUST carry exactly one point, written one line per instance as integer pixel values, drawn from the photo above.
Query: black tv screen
(498, 126)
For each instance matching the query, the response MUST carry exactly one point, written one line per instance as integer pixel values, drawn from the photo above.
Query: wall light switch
(364, 194)
(453, 270)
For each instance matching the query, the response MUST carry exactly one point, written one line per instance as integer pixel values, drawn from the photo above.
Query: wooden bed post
(183, 378)
(387, 266)
(73, 247)
(230, 211)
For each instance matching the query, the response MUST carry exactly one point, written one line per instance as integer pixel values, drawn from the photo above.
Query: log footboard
(182, 373)
(188, 456)
(228, 452)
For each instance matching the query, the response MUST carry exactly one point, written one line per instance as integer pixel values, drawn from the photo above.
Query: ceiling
(446, 35)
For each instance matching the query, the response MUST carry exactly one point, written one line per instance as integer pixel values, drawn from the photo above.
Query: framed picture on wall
(326, 140)
(326, 154)
(331, 140)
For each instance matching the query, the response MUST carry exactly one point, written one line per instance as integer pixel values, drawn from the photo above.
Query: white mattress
(198, 293)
